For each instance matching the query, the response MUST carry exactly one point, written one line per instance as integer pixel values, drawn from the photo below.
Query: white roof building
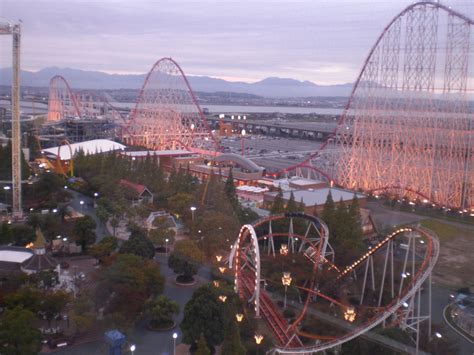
(88, 147)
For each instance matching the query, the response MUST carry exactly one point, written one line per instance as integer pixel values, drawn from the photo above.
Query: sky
(324, 41)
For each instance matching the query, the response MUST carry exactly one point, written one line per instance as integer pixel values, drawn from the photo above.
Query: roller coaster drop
(383, 286)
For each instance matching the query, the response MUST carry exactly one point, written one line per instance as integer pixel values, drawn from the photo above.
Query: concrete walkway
(149, 342)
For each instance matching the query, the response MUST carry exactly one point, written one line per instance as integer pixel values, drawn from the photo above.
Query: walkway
(148, 342)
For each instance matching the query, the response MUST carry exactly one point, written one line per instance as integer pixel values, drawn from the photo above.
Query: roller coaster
(383, 286)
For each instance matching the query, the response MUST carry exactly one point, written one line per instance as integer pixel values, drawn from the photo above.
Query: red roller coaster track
(167, 114)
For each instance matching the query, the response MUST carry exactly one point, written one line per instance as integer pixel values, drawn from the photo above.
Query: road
(88, 208)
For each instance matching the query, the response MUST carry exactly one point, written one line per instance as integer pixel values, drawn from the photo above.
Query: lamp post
(96, 194)
(5, 189)
(286, 281)
(175, 336)
(242, 135)
(166, 246)
(192, 208)
(132, 348)
(258, 340)
(81, 202)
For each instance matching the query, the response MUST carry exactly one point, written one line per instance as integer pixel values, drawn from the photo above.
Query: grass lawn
(455, 266)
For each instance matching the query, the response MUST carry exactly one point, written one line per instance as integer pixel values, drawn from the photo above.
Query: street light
(166, 246)
(258, 338)
(438, 335)
(350, 314)
(132, 348)
(222, 298)
(286, 281)
(192, 208)
(5, 189)
(175, 336)
(218, 258)
(242, 135)
(81, 202)
(239, 317)
(284, 249)
(96, 194)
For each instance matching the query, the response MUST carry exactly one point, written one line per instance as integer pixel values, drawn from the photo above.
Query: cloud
(317, 40)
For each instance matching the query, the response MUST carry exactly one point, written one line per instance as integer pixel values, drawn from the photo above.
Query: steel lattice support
(15, 32)
(62, 102)
(407, 127)
(167, 115)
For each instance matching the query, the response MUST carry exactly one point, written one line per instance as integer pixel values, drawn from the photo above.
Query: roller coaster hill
(284, 272)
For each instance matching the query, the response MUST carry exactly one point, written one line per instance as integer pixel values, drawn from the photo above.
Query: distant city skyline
(324, 42)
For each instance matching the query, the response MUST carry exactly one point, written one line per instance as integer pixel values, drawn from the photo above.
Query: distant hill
(269, 87)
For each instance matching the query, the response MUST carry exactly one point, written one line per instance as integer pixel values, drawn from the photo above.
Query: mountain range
(269, 87)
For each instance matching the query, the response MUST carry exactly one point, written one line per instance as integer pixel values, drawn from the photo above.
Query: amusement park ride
(381, 287)
(407, 128)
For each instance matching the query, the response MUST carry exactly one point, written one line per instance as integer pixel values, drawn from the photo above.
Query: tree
(83, 231)
(138, 244)
(292, 206)
(19, 334)
(184, 268)
(189, 249)
(104, 248)
(22, 234)
(82, 313)
(355, 219)
(230, 191)
(129, 278)
(232, 344)
(25, 297)
(6, 234)
(161, 310)
(278, 205)
(114, 223)
(328, 212)
(205, 315)
(158, 236)
(102, 214)
(180, 203)
(202, 348)
(53, 304)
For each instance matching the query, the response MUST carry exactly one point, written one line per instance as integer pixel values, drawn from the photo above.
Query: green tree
(230, 191)
(83, 231)
(138, 244)
(204, 314)
(25, 297)
(22, 234)
(292, 206)
(82, 312)
(53, 304)
(278, 205)
(329, 211)
(114, 223)
(184, 268)
(104, 248)
(180, 203)
(232, 344)
(6, 234)
(129, 278)
(355, 219)
(102, 214)
(19, 334)
(161, 311)
(202, 348)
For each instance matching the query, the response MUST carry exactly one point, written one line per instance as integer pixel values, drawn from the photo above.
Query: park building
(30, 260)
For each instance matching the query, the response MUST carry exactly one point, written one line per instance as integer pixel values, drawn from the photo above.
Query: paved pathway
(148, 342)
